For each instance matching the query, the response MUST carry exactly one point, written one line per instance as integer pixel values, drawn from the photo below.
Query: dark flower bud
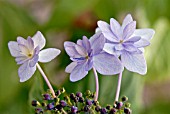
(124, 99)
(58, 107)
(43, 104)
(127, 111)
(86, 108)
(57, 93)
(62, 90)
(47, 96)
(63, 103)
(50, 106)
(72, 96)
(74, 109)
(88, 102)
(96, 103)
(119, 105)
(108, 107)
(39, 111)
(113, 111)
(81, 99)
(35, 103)
(79, 94)
(115, 104)
(97, 108)
(103, 111)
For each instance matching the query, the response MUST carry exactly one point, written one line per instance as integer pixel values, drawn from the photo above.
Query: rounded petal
(14, 48)
(70, 67)
(81, 50)
(146, 34)
(21, 59)
(34, 60)
(70, 49)
(39, 40)
(109, 48)
(22, 41)
(48, 54)
(116, 28)
(86, 44)
(107, 64)
(129, 29)
(142, 43)
(106, 30)
(78, 72)
(134, 62)
(126, 21)
(132, 39)
(25, 71)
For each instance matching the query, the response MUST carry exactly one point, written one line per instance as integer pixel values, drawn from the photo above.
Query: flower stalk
(46, 79)
(118, 87)
(97, 84)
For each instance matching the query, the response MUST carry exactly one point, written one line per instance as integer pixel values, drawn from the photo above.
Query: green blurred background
(61, 20)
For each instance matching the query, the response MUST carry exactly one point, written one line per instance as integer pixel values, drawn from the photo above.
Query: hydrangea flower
(127, 42)
(28, 52)
(89, 53)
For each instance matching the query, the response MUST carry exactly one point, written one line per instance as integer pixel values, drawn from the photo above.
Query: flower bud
(124, 99)
(39, 111)
(57, 93)
(74, 109)
(119, 105)
(97, 108)
(47, 96)
(35, 103)
(113, 111)
(127, 105)
(50, 106)
(103, 111)
(88, 102)
(72, 96)
(62, 90)
(108, 107)
(86, 108)
(79, 94)
(81, 99)
(63, 103)
(127, 111)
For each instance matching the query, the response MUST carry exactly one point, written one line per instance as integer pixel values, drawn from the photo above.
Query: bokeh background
(61, 20)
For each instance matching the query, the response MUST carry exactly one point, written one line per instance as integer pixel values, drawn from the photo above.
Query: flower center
(121, 41)
(29, 55)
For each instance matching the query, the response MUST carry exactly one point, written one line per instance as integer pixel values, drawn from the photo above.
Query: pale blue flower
(89, 53)
(127, 42)
(27, 53)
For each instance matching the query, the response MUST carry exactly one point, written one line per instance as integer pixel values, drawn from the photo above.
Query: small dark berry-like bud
(115, 104)
(103, 111)
(119, 105)
(81, 99)
(86, 108)
(63, 103)
(113, 111)
(62, 90)
(43, 104)
(58, 107)
(57, 93)
(47, 96)
(74, 109)
(108, 107)
(39, 111)
(127, 111)
(97, 108)
(50, 106)
(124, 99)
(79, 94)
(96, 103)
(72, 96)
(35, 103)
(88, 102)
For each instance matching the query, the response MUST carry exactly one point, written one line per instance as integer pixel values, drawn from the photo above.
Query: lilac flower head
(127, 42)
(87, 54)
(27, 53)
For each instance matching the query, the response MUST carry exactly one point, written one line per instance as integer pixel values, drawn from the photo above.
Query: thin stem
(118, 87)
(46, 79)
(97, 84)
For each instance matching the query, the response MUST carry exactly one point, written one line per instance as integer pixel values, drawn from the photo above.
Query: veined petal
(116, 28)
(129, 30)
(142, 43)
(14, 48)
(130, 48)
(39, 40)
(119, 47)
(22, 41)
(30, 43)
(80, 42)
(70, 67)
(146, 34)
(133, 39)
(81, 50)
(70, 49)
(34, 60)
(106, 30)
(21, 59)
(107, 64)
(109, 48)
(48, 54)
(134, 62)
(86, 44)
(126, 21)
(78, 72)
(25, 71)
(24, 50)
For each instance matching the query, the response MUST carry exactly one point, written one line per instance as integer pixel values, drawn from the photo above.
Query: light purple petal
(80, 42)
(97, 42)
(126, 21)
(129, 30)
(24, 50)
(48, 54)
(39, 40)
(133, 39)
(81, 50)
(21, 59)
(78, 72)
(130, 48)
(134, 62)
(30, 43)
(109, 48)
(107, 64)
(22, 41)
(14, 49)
(70, 67)
(86, 44)
(70, 49)
(142, 43)
(34, 60)
(89, 65)
(116, 28)
(119, 47)
(146, 34)
(106, 30)
(25, 71)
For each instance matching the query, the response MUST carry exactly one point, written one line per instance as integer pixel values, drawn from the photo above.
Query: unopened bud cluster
(76, 103)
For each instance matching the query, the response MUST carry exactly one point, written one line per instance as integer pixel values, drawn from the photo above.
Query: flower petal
(22, 41)
(129, 30)
(30, 43)
(78, 72)
(97, 42)
(142, 43)
(39, 40)
(14, 48)
(107, 64)
(48, 54)
(116, 28)
(106, 30)
(146, 34)
(25, 71)
(70, 49)
(81, 50)
(109, 48)
(126, 21)
(34, 60)
(70, 67)
(86, 44)
(134, 62)
(132, 39)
